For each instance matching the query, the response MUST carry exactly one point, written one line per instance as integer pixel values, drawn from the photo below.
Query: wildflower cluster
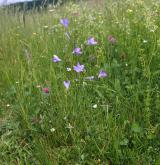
(78, 68)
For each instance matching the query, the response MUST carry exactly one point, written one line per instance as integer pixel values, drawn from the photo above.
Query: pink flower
(45, 90)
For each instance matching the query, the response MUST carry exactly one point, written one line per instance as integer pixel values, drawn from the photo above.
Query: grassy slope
(124, 128)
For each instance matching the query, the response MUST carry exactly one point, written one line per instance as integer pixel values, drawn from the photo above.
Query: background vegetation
(110, 120)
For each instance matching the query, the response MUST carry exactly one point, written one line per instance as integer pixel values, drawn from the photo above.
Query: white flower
(145, 41)
(52, 129)
(69, 69)
(8, 105)
(45, 27)
(95, 106)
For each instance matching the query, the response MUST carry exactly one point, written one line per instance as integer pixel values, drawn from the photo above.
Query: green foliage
(111, 120)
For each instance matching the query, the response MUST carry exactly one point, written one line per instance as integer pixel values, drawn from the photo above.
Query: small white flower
(69, 69)
(45, 27)
(52, 129)
(145, 41)
(8, 105)
(95, 106)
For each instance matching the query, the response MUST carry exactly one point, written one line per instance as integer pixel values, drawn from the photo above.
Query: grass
(111, 120)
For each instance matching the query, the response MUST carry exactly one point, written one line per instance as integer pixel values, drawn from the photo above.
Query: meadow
(80, 84)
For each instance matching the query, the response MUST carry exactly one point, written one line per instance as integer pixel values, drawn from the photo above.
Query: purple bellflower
(77, 51)
(91, 41)
(102, 74)
(66, 84)
(64, 22)
(56, 59)
(78, 68)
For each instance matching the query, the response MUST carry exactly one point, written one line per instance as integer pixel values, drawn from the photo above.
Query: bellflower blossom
(91, 41)
(78, 68)
(102, 74)
(64, 22)
(77, 51)
(66, 84)
(56, 59)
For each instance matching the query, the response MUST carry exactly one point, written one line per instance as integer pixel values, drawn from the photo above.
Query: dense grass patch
(113, 119)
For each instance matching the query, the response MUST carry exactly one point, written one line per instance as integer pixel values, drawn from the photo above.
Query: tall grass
(110, 120)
